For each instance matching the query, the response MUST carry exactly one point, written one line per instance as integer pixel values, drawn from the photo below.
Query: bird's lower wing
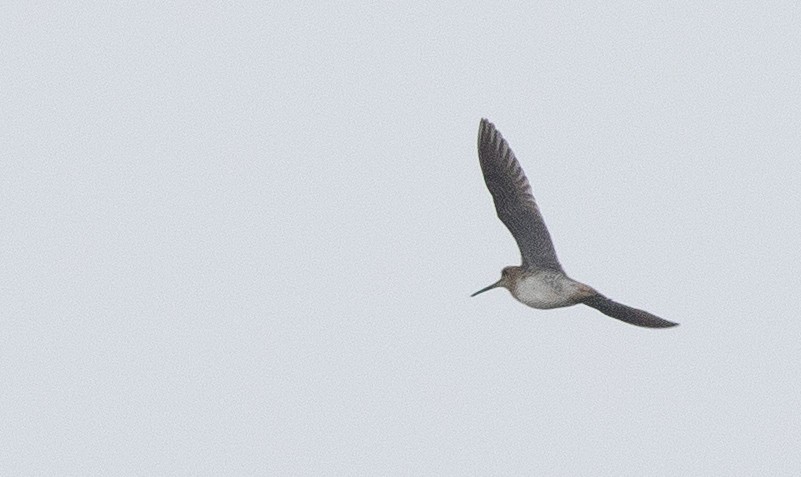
(626, 313)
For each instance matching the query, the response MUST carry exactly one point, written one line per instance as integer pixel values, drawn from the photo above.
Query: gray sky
(240, 240)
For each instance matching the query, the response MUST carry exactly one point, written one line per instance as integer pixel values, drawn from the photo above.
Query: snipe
(539, 282)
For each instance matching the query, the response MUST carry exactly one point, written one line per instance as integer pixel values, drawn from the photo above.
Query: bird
(540, 281)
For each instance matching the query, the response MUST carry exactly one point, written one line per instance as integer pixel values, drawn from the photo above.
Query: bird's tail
(626, 313)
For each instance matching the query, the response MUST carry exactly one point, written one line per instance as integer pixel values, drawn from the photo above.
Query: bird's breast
(545, 290)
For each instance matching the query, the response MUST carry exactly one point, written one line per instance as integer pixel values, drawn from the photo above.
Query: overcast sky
(241, 240)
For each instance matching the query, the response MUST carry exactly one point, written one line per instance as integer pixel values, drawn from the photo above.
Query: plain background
(240, 240)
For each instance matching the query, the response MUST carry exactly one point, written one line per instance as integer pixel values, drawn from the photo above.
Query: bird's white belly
(545, 292)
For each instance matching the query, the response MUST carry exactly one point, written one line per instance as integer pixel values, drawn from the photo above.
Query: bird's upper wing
(513, 199)
(626, 313)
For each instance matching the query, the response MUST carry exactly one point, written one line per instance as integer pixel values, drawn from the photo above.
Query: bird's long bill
(494, 285)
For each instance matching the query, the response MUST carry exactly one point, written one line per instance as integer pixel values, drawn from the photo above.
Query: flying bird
(539, 282)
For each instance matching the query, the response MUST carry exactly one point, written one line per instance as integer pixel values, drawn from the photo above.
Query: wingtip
(486, 131)
(669, 324)
(482, 130)
(662, 324)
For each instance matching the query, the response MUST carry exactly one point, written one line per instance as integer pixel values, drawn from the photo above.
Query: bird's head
(509, 276)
